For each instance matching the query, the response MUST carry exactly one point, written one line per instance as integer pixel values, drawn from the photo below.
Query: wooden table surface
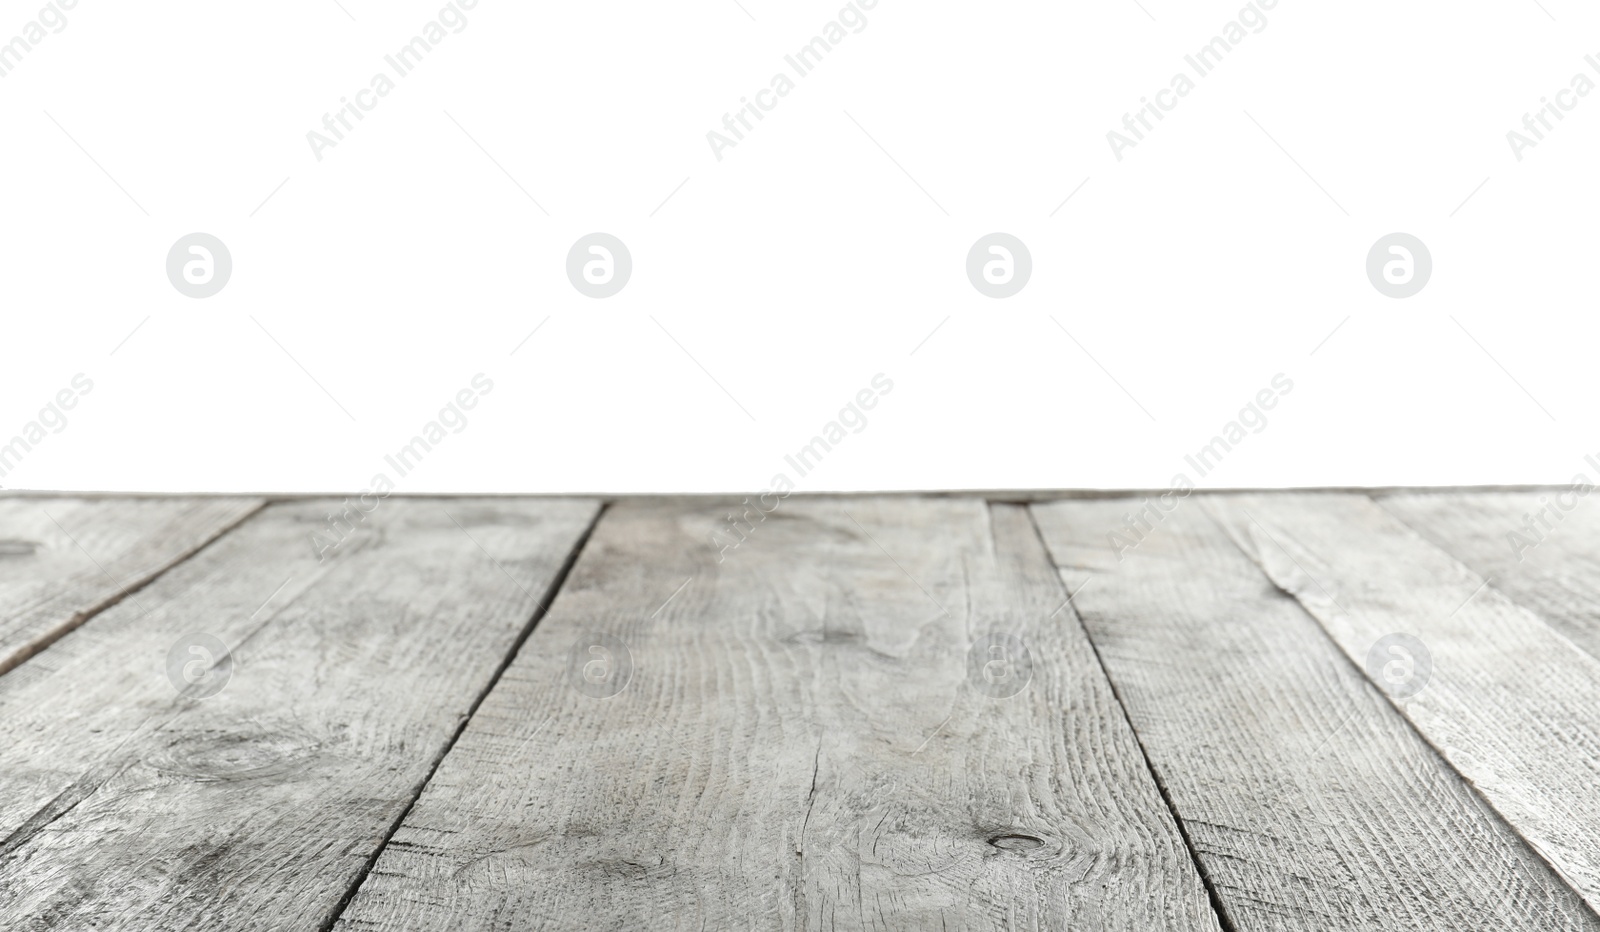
(1269, 711)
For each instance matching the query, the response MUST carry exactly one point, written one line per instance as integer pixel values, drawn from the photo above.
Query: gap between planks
(1206, 880)
(542, 609)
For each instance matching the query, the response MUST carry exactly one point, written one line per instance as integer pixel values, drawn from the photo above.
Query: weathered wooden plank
(126, 804)
(1310, 803)
(799, 745)
(63, 559)
(1540, 548)
(1513, 705)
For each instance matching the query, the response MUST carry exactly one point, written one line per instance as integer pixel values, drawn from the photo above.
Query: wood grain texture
(125, 804)
(798, 746)
(63, 559)
(1514, 706)
(1310, 802)
(1551, 565)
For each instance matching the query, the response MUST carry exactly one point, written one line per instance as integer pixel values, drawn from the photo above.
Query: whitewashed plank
(63, 559)
(127, 805)
(1513, 705)
(1542, 549)
(1311, 804)
(798, 746)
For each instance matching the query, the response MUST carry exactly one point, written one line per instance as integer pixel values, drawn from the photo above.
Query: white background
(805, 261)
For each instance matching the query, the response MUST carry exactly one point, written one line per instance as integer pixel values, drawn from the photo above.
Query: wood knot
(1016, 842)
(223, 757)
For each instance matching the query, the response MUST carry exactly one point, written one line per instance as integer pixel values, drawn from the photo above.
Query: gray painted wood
(797, 746)
(1513, 705)
(1310, 802)
(63, 559)
(1550, 565)
(127, 805)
